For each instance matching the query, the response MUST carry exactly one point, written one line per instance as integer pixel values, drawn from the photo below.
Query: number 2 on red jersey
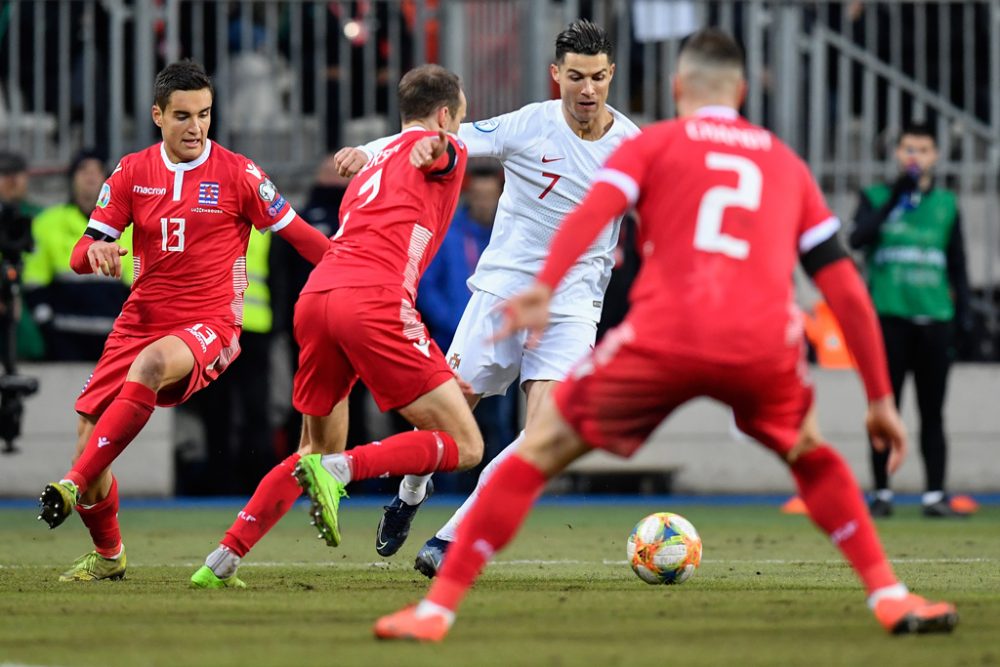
(708, 234)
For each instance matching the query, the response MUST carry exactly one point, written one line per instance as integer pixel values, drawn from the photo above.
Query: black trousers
(925, 351)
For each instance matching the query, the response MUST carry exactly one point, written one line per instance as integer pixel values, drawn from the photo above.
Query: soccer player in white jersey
(550, 152)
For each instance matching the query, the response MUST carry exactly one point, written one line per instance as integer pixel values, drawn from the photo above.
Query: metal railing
(297, 78)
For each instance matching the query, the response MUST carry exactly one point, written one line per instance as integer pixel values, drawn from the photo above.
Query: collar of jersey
(718, 111)
(186, 166)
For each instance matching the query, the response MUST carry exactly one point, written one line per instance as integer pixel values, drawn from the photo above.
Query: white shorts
(491, 367)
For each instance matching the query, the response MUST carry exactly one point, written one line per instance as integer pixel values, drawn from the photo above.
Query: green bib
(908, 266)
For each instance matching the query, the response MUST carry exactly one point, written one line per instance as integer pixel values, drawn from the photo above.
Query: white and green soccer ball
(664, 548)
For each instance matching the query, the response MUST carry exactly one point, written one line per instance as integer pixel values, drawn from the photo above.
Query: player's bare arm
(349, 161)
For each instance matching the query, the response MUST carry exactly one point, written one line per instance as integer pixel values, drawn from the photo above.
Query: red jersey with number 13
(725, 209)
(192, 225)
(392, 220)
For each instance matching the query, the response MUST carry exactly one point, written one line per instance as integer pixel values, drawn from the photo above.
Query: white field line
(381, 564)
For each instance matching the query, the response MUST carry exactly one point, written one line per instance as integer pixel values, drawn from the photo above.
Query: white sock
(884, 495)
(932, 497)
(448, 530)
(338, 466)
(223, 562)
(426, 608)
(413, 488)
(894, 592)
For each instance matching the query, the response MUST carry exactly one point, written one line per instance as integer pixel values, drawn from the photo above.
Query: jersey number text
(708, 235)
(173, 234)
(555, 179)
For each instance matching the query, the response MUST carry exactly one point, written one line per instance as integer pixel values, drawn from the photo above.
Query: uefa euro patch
(208, 193)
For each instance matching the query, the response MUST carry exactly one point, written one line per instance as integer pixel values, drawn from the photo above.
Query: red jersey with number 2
(725, 209)
(392, 220)
(192, 224)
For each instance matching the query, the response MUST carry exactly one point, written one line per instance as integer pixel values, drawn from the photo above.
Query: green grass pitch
(771, 591)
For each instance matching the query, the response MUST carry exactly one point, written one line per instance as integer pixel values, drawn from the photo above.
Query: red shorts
(623, 390)
(369, 332)
(214, 348)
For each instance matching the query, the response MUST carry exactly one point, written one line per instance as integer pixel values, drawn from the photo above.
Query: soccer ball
(664, 548)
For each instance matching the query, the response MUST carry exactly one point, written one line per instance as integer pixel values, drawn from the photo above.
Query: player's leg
(431, 555)
(98, 509)
(273, 498)
(492, 522)
(566, 341)
(162, 363)
(772, 407)
(488, 367)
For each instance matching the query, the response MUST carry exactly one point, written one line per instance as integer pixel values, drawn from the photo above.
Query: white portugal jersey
(548, 171)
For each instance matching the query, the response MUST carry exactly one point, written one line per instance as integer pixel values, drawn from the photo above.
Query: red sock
(834, 500)
(115, 429)
(102, 522)
(492, 521)
(410, 453)
(274, 496)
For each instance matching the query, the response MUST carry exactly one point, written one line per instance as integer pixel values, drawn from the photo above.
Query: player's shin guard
(492, 522)
(413, 452)
(274, 496)
(102, 522)
(115, 429)
(835, 504)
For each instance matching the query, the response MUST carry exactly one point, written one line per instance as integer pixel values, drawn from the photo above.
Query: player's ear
(157, 115)
(554, 72)
(444, 117)
(741, 94)
(611, 72)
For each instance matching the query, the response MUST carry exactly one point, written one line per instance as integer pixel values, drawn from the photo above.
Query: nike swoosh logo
(546, 160)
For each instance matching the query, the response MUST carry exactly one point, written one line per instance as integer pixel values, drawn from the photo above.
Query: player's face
(184, 123)
(583, 84)
(916, 151)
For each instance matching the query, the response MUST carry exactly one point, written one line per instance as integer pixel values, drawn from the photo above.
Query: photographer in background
(75, 313)
(911, 235)
(16, 213)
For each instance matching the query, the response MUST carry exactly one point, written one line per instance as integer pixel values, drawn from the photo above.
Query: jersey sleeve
(816, 222)
(113, 212)
(373, 148)
(260, 202)
(500, 136)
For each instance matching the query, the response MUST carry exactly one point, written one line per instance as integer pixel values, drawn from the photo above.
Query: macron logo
(103, 442)
(249, 518)
(146, 190)
(424, 346)
(252, 169)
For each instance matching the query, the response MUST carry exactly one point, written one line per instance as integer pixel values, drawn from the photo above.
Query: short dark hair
(12, 163)
(426, 88)
(917, 129)
(713, 46)
(584, 38)
(182, 75)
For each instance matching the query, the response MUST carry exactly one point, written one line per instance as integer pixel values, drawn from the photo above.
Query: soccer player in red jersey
(356, 318)
(193, 204)
(725, 210)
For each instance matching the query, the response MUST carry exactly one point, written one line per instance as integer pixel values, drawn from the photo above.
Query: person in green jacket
(911, 235)
(75, 313)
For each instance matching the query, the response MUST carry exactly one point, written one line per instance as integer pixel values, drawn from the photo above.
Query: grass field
(771, 591)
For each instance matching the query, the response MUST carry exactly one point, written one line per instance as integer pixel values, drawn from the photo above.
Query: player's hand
(886, 430)
(527, 310)
(427, 150)
(466, 388)
(106, 258)
(349, 161)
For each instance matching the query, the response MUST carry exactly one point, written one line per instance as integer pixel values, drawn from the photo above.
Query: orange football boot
(915, 615)
(404, 624)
